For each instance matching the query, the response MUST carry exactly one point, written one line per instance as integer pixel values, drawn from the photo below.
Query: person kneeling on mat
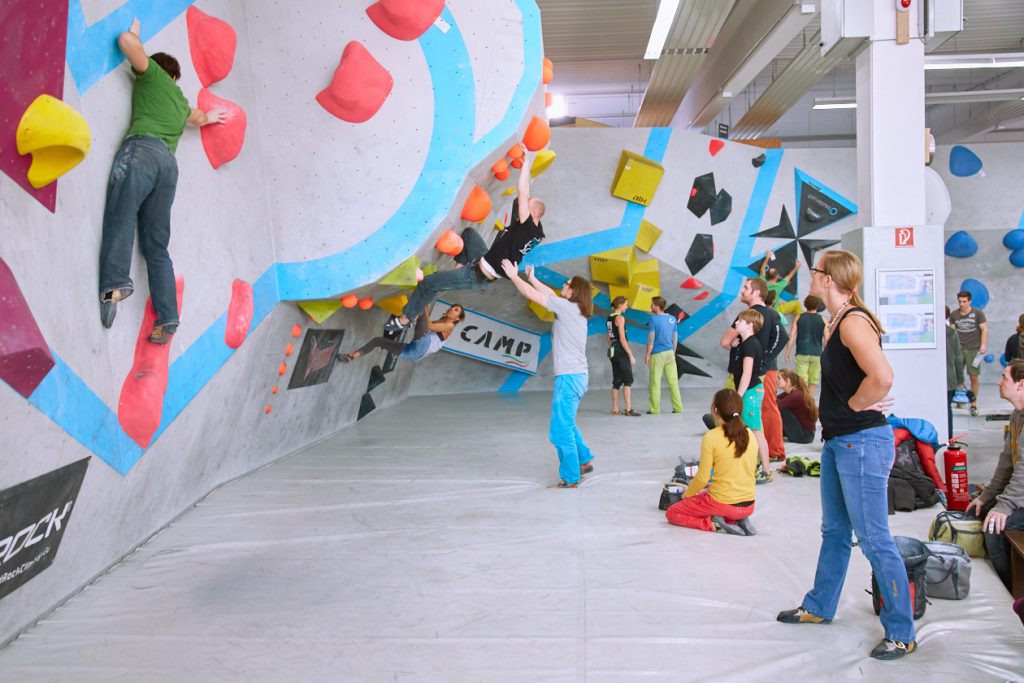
(731, 451)
(798, 409)
(428, 337)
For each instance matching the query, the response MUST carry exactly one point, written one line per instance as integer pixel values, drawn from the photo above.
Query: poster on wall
(316, 358)
(905, 303)
(33, 517)
(490, 340)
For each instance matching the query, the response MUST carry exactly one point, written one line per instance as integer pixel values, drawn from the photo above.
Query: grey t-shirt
(967, 326)
(568, 337)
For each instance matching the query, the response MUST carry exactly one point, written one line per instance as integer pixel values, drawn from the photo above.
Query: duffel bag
(960, 528)
(947, 571)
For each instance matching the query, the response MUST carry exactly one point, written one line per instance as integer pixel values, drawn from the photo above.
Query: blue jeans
(140, 192)
(998, 546)
(466, 277)
(564, 434)
(854, 484)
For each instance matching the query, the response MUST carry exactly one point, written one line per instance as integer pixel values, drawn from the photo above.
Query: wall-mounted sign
(316, 358)
(488, 339)
(723, 131)
(33, 517)
(906, 306)
(904, 237)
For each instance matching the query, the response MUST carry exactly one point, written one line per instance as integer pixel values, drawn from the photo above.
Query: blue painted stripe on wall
(743, 251)
(516, 380)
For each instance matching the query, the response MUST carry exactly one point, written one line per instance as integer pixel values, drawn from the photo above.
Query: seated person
(1015, 342)
(731, 451)
(1002, 501)
(428, 337)
(799, 411)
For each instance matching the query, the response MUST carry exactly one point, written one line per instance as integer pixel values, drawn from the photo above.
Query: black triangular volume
(702, 250)
(818, 210)
(685, 367)
(684, 350)
(390, 361)
(810, 247)
(784, 229)
(376, 378)
(702, 194)
(366, 406)
(722, 207)
(758, 161)
(783, 263)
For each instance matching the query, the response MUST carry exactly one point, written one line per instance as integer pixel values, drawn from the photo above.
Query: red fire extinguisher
(955, 458)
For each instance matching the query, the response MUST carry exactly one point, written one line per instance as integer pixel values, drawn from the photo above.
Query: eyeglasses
(818, 270)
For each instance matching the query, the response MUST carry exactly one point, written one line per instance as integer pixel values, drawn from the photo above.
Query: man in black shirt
(477, 266)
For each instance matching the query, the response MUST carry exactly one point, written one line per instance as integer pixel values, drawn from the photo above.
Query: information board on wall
(490, 340)
(905, 303)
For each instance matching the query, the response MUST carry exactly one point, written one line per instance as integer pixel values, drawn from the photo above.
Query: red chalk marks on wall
(141, 403)
(211, 42)
(359, 87)
(405, 19)
(222, 142)
(240, 310)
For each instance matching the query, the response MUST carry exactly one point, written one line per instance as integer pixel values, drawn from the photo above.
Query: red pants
(696, 512)
(771, 418)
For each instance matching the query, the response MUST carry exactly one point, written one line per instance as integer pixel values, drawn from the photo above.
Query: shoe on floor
(762, 477)
(708, 420)
(727, 527)
(564, 485)
(893, 649)
(586, 468)
(800, 616)
(747, 526)
(162, 334)
(632, 413)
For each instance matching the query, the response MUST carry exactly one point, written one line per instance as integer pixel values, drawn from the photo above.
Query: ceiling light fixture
(662, 24)
(992, 60)
(959, 97)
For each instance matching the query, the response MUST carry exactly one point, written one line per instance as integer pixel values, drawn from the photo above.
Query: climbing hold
(240, 309)
(376, 378)
(615, 266)
(514, 152)
(359, 87)
(963, 162)
(702, 295)
(55, 135)
(509, 191)
(274, 390)
(691, 283)
(722, 207)
(548, 99)
(646, 236)
(636, 178)
(1014, 239)
(1017, 258)
(538, 134)
(702, 194)
(758, 161)
(639, 295)
(979, 292)
(282, 368)
(989, 358)
(25, 357)
(349, 300)
(366, 303)
(320, 311)
(516, 163)
(1002, 360)
(476, 208)
(676, 312)
(701, 252)
(394, 304)
(366, 406)
(715, 146)
(222, 142)
(449, 243)
(405, 19)
(211, 42)
(961, 245)
(140, 405)
(289, 349)
(500, 169)
(547, 71)
(266, 411)
(402, 274)
(541, 162)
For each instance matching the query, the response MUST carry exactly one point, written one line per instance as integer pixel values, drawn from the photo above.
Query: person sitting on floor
(799, 411)
(428, 337)
(730, 450)
(1002, 501)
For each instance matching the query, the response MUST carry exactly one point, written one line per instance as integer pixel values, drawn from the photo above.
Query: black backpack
(915, 555)
(909, 487)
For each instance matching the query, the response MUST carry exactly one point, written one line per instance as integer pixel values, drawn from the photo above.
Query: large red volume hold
(222, 142)
(211, 42)
(141, 404)
(359, 87)
(239, 314)
(405, 19)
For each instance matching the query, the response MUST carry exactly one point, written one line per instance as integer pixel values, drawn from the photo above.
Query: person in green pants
(661, 357)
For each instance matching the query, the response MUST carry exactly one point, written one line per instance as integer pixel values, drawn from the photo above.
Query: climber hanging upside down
(428, 337)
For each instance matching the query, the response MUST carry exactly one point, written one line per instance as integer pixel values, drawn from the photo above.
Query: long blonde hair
(847, 271)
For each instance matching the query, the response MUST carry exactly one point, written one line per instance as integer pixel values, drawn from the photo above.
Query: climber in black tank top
(621, 357)
(841, 377)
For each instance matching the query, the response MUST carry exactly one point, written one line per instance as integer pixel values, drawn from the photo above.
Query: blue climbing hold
(989, 358)
(979, 292)
(963, 162)
(1017, 258)
(961, 245)
(1002, 360)
(1014, 239)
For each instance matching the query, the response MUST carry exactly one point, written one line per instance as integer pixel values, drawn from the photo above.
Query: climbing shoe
(762, 477)
(747, 526)
(394, 324)
(162, 334)
(709, 421)
(800, 616)
(586, 468)
(726, 527)
(108, 304)
(893, 649)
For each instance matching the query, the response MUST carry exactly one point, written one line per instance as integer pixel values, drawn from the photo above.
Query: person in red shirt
(797, 406)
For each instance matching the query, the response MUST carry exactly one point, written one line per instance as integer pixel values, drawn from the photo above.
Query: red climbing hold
(477, 206)
(500, 169)
(282, 369)
(222, 142)
(359, 87)
(274, 390)
(296, 330)
(141, 403)
(449, 243)
(405, 19)
(266, 411)
(702, 295)
(691, 283)
(211, 42)
(239, 314)
(349, 300)
(366, 303)
(715, 146)
(288, 350)
(516, 163)
(24, 354)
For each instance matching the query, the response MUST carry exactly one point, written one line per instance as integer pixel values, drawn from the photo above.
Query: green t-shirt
(777, 287)
(159, 108)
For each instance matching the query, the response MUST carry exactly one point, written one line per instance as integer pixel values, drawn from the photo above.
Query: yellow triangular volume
(320, 311)
(404, 274)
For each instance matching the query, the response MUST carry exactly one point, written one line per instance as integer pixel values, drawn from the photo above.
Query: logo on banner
(492, 341)
(904, 237)
(33, 518)
(316, 358)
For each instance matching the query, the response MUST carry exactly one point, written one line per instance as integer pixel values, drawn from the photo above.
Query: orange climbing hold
(349, 300)
(691, 283)
(548, 99)
(715, 146)
(240, 310)
(359, 87)
(211, 42)
(274, 390)
(500, 170)
(538, 134)
(289, 349)
(296, 330)
(366, 303)
(282, 369)
(266, 411)
(141, 403)
(548, 71)
(449, 243)
(222, 142)
(516, 163)
(405, 19)
(515, 152)
(477, 206)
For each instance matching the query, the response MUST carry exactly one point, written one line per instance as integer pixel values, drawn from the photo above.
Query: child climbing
(428, 337)
(142, 183)
(479, 266)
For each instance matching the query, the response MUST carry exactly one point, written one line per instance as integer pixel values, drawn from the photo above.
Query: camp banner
(488, 339)
(33, 517)
(316, 358)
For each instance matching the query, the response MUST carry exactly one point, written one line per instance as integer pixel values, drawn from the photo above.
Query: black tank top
(613, 334)
(840, 379)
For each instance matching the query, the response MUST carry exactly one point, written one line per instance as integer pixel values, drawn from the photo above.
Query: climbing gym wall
(354, 138)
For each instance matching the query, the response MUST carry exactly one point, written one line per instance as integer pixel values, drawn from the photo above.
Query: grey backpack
(947, 571)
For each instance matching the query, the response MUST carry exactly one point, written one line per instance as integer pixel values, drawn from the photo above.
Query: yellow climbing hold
(614, 267)
(394, 304)
(647, 235)
(541, 312)
(646, 273)
(320, 311)
(55, 135)
(541, 162)
(509, 191)
(403, 274)
(498, 225)
(639, 295)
